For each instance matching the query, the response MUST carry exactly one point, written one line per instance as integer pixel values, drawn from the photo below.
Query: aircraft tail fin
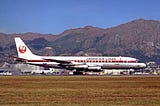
(23, 51)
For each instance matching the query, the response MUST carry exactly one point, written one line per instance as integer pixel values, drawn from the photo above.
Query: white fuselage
(92, 62)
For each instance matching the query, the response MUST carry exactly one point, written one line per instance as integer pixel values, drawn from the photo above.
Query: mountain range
(139, 38)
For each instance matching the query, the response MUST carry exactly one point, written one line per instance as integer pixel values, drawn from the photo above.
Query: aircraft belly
(120, 66)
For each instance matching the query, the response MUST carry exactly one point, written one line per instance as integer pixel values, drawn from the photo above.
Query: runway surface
(80, 90)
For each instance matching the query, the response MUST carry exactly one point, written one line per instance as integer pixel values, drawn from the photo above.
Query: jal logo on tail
(22, 49)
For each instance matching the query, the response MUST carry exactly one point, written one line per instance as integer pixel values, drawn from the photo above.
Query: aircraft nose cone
(144, 65)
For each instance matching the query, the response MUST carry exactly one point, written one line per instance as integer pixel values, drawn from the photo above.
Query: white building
(33, 69)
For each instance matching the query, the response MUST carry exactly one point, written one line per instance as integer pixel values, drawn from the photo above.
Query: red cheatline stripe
(103, 61)
(114, 61)
(132, 61)
(37, 61)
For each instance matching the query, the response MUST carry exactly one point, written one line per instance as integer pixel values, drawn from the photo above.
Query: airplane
(78, 63)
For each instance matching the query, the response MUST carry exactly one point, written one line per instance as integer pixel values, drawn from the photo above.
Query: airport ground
(80, 90)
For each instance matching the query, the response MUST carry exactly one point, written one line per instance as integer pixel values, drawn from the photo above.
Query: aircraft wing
(58, 61)
(62, 63)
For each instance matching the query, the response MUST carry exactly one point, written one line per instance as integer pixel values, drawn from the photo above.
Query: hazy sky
(55, 16)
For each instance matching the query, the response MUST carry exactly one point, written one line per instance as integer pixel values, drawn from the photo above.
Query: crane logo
(22, 49)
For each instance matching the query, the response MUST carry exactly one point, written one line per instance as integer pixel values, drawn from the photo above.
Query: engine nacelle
(94, 67)
(81, 66)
